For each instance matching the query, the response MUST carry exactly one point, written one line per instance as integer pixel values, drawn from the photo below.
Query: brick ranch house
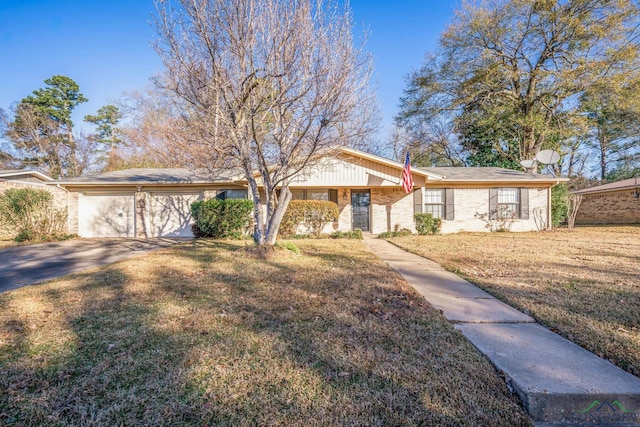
(614, 203)
(366, 188)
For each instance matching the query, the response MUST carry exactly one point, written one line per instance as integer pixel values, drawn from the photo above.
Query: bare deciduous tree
(573, 203)
(266, 87)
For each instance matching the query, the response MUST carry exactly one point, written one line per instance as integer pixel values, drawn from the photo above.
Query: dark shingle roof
(152, 176)
(613, 186)
(487, 174)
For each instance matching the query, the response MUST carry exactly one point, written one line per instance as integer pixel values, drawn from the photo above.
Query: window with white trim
(509, 202)
(434, 202)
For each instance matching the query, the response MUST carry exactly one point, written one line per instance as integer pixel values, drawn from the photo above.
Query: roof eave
(607, 190)
(18, 173)
(135, 183)
(507, 180)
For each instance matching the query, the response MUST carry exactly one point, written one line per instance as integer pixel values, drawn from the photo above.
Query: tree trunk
(258, 235)
(277, 215)
(603, 157)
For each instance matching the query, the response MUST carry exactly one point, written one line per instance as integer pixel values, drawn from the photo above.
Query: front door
(360, 201)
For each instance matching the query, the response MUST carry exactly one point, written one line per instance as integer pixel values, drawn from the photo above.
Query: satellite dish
(548, 157)
(527, 164)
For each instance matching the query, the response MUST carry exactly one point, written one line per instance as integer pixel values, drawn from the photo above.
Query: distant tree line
(39, 133)
(511, 78)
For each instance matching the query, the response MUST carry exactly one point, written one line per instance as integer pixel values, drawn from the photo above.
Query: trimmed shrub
(355, 234)
(314, 214)
(427, 224)
(222, 219)
(398, 233)
(31, 214)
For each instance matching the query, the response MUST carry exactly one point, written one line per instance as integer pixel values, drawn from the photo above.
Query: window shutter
(524, 203)
(493, 202)
(417, 201)
(448, 204)
(333, 196)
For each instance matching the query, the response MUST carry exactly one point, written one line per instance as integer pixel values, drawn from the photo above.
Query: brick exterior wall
(72, 208)
(616, 207)
(60, 196)
(469, 201)
(391, 210)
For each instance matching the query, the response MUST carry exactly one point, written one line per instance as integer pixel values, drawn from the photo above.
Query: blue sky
(105, 46)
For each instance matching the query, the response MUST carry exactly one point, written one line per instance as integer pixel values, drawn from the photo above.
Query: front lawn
(213, 335)
(7, 242)
(583, 284)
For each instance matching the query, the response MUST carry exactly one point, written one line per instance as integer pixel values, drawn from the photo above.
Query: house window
(317, 195)
(509, 202)
(297, 194)
(310, 194)
(434, 202)
(232, 194)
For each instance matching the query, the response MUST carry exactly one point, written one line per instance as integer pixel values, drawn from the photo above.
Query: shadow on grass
(105, 364)
(374, 353)
(206, 336)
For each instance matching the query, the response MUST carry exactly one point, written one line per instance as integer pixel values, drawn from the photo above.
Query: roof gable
(23, 175)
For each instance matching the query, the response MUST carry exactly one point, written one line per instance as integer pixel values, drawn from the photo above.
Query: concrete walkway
(559, 382)
(28, 264)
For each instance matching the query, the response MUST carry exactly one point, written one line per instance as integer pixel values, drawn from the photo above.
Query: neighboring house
(367, 189)
(31, 179)
(22, 178)
(13, 178)
(614, 203)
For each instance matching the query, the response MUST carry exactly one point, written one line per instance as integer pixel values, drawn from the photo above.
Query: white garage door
(106, 215)
(169, 214)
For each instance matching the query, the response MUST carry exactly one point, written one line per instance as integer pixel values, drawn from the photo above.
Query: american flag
(407, 179)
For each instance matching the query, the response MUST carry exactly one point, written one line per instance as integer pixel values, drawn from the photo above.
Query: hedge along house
(26, 178)
(367, 189)
(614, 203)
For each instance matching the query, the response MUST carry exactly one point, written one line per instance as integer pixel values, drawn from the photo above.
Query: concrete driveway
(24, 265)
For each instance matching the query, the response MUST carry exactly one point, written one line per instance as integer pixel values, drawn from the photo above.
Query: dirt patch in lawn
(584, 284)
(205, 335)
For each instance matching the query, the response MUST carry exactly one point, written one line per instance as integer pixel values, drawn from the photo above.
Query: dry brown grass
(7, 242)
(206, 335)
(584, 284)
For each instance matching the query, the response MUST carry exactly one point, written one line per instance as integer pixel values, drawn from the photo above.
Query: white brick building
(366, 188)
